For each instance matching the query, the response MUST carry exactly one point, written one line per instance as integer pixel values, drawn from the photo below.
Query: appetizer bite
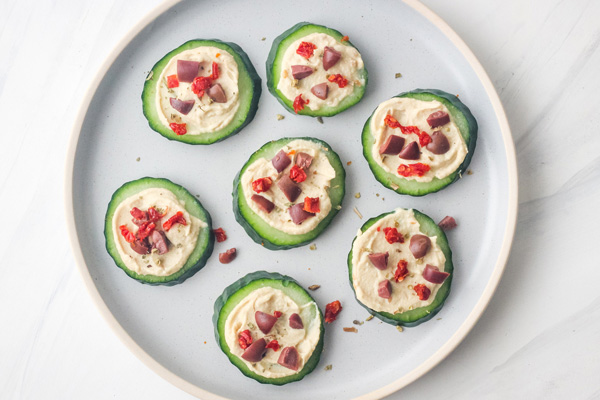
(269, 327)
(157, 232)
(288, 192)
(314, 70)
(400, 267)
(202, 92)
(420, 141)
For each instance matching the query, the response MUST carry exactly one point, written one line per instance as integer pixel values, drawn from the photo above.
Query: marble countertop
(537, 339)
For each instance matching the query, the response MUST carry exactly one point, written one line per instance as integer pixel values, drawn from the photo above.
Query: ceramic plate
(170, 328)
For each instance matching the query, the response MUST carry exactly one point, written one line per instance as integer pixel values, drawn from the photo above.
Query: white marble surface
(537, 339)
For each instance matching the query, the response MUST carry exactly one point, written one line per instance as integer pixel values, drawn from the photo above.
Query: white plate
(167, 327)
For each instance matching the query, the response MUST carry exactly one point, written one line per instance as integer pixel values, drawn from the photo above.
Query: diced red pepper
(339, 79)
(299, 103)
(200, 84)
(172, 81)
(401, 271)
(345, 39)
(273, 344)
(424, 138)
(391, 122)
(392, 235)
(138, 214)
(417, 169)
(145, 230)
(423, 291)
(297, 174)
(179, 129)
(178, 218)
(215, 71)
(332, 310)
(154, 215)
(129, 237)
(291, 152)
(312, 205)
(220, 234)
(262, 184)
(245, 339)
(277, 314)
(306, 49)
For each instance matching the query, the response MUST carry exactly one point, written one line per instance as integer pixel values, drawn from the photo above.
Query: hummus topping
(412, 112)
(182, 238)
(269, 300)
(366, 277)
(206, 115)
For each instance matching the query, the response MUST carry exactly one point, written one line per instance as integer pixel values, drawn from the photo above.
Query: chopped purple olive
(217, 94)
(264, 321)
(256, 351)
(281, 161)
(384, 289)
(298, 214)
(262, 203)
(289, 188)
(432, 274)
(289, 358)
(330, 57)
(296, 321)
(419, 245)
(301, 71)
(140, 247)
(321, 90)
(392, 145)
(438, 118)
(439, 143)
(447, 223)
(410, 152)
(187, 70)
(183, 106)
(379, 260)
(303, 160)
(159, 241)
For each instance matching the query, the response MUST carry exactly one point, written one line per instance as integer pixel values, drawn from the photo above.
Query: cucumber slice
(259, 230)
(418, 315)
(274, 67)
(461, 116)
(243, 287)
(204, 243)
(249, 86)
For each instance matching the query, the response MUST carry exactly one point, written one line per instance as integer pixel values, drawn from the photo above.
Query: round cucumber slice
(204, 243)
(243, 287)
(249, 86)
(274, 70)
(418, 315)
(461, 116)
(259, 230)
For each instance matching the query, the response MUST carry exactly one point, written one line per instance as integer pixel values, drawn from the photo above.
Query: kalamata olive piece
(281, 161)
(289, 358)
(410, 152)
(438, 118)
(256, 351)
(379, 260)
(439, 143)
(289, 188)
(419, 245)
(140, 247)
(301, 71)
(330, 57)
(321, 90)
(264, 204)
(296, 321)
(384, 289)
(392, 145)
(264, 321)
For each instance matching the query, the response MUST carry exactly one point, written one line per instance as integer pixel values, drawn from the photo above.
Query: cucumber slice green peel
(463, 119)
(421, 314)
(274, 61)
(204, 244)
(249, 86)
(259, 230)
(236, 292)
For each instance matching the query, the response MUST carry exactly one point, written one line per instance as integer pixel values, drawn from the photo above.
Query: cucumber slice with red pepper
(249, 89)
(465, 122)
(259, 230)
(274, 70)
(239, 290)
(204, 242)
(418, 315)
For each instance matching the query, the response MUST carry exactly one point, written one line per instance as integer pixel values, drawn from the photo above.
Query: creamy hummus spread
(366, 277)
(412, 112)
(348, 66)
(182, 238)
(206, 116)
(316, 184)
(269, 300)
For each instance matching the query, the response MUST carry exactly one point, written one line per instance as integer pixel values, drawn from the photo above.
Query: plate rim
(458, 336)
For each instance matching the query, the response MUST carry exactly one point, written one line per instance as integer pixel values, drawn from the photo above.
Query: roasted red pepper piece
(332, 310)
(344, 39)
(172, 81)
(178, 218)
(145, 230)
(129, 237)
(228, 256)
(299, 103)
(312, 205)
(262, 184)
(138, 214)
(200, 84)
(154, 215)
(220, 235)
(392, 235)
(423, 291)
(273, 344)
(245, 339)
(297, 174)
(424, 138)
(215, 71)
(306, 49)
(401, 271)
(179, 129)
(417, 169)
(277, 314)
(339, 79)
